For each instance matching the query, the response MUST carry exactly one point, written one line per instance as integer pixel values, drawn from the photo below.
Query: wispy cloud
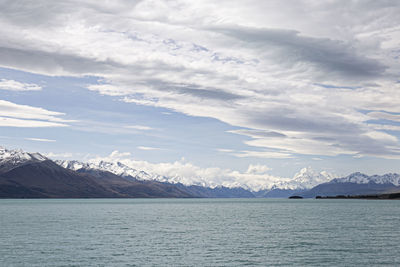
(15, 115)
(263, 154)
(384, 116)
(140, 127)
(318, 159)
(256, 154)
(225, 150)
(148, 148)
(12, 85)
(39, 139)
(59, 155)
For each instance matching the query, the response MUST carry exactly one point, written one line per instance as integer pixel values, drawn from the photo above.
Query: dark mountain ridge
(32, 175)
(356, 184)
(47, 179)
(43, 178)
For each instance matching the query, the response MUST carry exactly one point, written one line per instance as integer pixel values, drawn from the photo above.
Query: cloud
(39, 139)
(50, 63)
(385, 127)
(257, 66)
(108, 89)
(318, 159)
(256, 177)
(384, 116)
(139, 127)
(256, 154)
(15, 115)
(258, 133)
(147, 148)
(224, 150)
(117, 155)
(12, 85)
(257, 169)
(332, 56)
(11, 122)
(205, 93)
(263, 154)
(59, 155)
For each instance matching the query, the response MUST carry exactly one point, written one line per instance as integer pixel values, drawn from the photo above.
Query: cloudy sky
(215, 85)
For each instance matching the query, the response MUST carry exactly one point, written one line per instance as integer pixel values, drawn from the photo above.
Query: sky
(205, 88)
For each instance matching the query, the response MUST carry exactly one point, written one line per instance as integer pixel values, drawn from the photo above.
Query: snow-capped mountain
(18, 156)
(114, 167)
(11, 158)
(357, 184)
(360, 178)
(306, 178)
(307, 182)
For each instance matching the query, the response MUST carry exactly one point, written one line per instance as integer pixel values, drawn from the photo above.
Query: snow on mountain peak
(116, 168)
(17, 156)
(306, 178)
(361, 178)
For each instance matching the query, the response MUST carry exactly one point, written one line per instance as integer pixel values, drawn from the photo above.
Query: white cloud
(385, 127)
(15, 115)
(12, 85)
(60, 155)
(116, 155)
(108, 89)
(147, 148)
(256, 177)
(224, 150)
(299, 85)
(139, 127)
(39, 139)
(11, 122)
(263, 154)
(257, 169)
(384, 116)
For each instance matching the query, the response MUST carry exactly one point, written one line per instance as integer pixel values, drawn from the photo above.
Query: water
(199, 232)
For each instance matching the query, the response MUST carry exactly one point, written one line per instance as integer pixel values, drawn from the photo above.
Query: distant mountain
(117, 168)
(44, 179)
(305, 179)
(218, 192)
(130, 187)
(99, 169)
(31, 175)
(12, 158)
(302, 181)
(357, 184)
(360, 178)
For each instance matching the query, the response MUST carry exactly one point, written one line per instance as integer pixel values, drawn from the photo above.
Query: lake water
(199, 232)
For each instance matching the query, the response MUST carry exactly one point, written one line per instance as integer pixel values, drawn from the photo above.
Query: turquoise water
(199, 232)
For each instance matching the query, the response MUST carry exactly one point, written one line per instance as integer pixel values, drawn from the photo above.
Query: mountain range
(32, 175)
(357, 184)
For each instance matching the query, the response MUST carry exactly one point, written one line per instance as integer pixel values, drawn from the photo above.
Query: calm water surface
(199, 232)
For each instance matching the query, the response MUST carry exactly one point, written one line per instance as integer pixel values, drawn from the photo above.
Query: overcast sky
(211, 84)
